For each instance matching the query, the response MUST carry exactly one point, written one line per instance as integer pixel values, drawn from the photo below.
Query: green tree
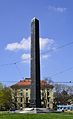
(1, 86)
(6, 100)
(63, 94)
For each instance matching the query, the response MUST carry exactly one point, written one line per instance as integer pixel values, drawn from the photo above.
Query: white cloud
(24, 44)
(25, 57)
(45, 56)
(57, 9)
(43, 42)
(46, 45)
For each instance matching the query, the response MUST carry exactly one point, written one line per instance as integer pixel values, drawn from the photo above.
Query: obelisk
(35, 100)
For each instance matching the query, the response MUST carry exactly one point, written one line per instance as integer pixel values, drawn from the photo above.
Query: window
(26, 94)
(21, 105)
(15, 99)
(42, 93)
(48, 93)
(48, 99)
(26, 99)
(21, 93)
(21, 99)
(21, 89)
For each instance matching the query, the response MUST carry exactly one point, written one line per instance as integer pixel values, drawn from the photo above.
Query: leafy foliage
(5, 98)
(63, 95)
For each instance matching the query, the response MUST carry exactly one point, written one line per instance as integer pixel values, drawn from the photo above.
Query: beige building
(22, 94)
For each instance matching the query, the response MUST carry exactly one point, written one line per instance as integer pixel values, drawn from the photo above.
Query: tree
(6, 101)
(49, 80)
(1, 86)
(63, 94)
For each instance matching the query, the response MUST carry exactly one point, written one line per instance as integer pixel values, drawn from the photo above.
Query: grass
(37, 116)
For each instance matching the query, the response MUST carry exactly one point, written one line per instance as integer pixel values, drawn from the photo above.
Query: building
(22, 91)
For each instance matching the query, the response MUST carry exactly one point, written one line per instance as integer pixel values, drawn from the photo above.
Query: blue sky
(56, 24)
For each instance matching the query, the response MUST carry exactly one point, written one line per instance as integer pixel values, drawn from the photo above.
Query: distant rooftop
(27, 82)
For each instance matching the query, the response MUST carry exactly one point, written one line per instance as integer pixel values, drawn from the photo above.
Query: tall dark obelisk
(35, 65)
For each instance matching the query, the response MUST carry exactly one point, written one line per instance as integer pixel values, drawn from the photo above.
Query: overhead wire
(16, 62)
(61, 72)
(69, 82)
(52, 82)
(60, 47)
(18, 69)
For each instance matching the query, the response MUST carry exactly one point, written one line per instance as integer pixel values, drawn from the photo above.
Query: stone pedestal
(35, 110)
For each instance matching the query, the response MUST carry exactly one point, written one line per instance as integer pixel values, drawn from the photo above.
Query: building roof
(27, 83)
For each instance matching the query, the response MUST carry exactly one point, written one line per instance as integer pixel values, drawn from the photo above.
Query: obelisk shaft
(35, 65)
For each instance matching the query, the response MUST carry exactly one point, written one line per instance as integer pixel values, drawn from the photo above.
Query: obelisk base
(35, 110)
